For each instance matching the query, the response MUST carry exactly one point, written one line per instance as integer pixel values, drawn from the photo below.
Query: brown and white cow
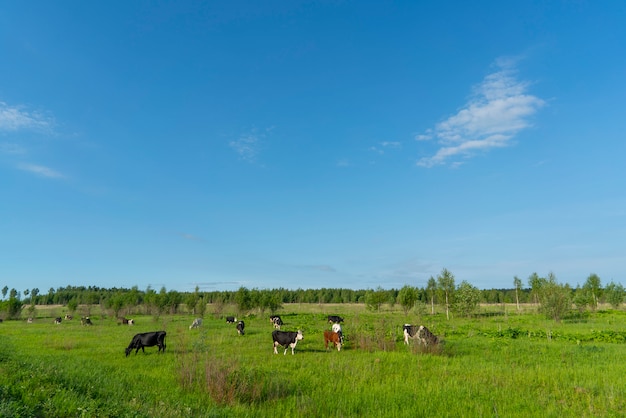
(333, 337)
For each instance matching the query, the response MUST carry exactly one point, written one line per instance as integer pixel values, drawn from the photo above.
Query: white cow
(196, 323)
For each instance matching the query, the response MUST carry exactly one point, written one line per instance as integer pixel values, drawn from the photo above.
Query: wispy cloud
(10, 148)
(15, 118)
(41, 171)
(189, 237)
(381, 147)
(248, 145)
(498, 110)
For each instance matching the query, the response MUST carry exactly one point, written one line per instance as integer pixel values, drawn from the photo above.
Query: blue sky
(311, 144)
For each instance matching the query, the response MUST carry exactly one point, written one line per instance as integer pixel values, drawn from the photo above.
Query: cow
(57, 320)
(196, 323)
(333, 337)
(276, 321)
(68, 317)
(125, 321)
(147, 339)
(286, 339)
(421, 334)
(85, 321)
(29, 320)
(337, 328)
(231, 319)
(240, 327)
(334, 319)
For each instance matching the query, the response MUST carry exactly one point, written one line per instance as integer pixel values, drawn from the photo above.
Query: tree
(445, 282)
(5, 289)
(431, 288)
(467, 298)
(375, 298)
(243, 300)
(535, 283)
(593, 287)
(72, 305)
(407, 296)
(554, 298)
(614, 294)
(517, 282)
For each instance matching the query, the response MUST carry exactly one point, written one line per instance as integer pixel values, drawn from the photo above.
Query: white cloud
(15, 118)
(248, 145)
(499, 109)
(41, 170)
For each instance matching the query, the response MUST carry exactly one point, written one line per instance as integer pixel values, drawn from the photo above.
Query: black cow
(230, 319)
(286, 339)
(57, 320)
(240, 327)
(147, 339)
(276, 321)
(85, 321)
(334, 319)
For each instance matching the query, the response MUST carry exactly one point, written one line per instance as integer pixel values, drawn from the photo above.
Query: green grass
(498, 364)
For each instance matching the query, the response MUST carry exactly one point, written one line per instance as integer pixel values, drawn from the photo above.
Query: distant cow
(196, 323)
(147, 339)
(68, 317)
(29, 321)
(125, 321)
(85, 321)
(333, 337)
(334, 319)
(286, 339)
(57, 320)
(421, 334)
(231, 319)
(276, 321)
(337, 329)
(240, 327)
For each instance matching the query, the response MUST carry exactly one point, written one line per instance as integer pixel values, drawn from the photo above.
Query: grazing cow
(125, 321)
(29, 321)
(337, 329)
(57, 320)
(196, 323)
(421, 334)
(276, 321)
(147, 339)
(286, 339)
(240, 327)
(85, 321)
(68, 317)
(334, 319)
(333, 337)
(231, 319)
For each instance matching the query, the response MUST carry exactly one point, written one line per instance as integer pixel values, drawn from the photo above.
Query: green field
(498, 364)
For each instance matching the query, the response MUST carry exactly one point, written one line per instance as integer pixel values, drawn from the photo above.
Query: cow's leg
(275, 349)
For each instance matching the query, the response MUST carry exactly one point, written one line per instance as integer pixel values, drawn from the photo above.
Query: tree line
(552, 298)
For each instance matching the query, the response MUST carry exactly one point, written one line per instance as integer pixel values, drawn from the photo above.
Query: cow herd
(287, 339)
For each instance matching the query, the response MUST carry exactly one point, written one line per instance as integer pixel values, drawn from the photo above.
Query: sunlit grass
(496, 364)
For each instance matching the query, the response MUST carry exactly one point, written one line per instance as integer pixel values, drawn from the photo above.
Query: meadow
(500, 363)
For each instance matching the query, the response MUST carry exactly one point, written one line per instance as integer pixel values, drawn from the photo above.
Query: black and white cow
(240, 327)
(68, 317)
(147, 339)
(196, 323)
(286, 339)
(85, 321)
(276, 321)
(125, 321)
(57, 320)
(421, 334)
(334, 319)
(337, 328)
(231, 319)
